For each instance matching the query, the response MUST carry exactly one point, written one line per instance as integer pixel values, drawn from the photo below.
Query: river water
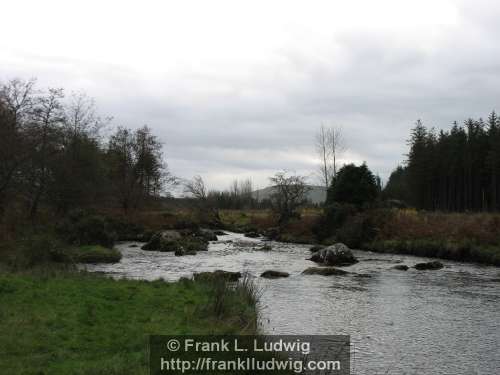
(400, 322)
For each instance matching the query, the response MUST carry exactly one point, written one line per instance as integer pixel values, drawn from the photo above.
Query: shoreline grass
(66, 322)
(458, 251)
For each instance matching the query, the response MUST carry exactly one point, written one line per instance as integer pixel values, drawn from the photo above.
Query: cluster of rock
(181, 242)
(334, 255)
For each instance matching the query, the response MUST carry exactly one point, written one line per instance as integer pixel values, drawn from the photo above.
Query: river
(401, 322)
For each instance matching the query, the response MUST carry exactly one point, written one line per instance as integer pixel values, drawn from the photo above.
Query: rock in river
(316, 248)
(208, 234)
(182, 252)
(178, 241)
(435, 265)
(217, 274)
(401, 267)
(164, 241)
(324, 271)
(252, 234)
(335, 255)
(272, 274)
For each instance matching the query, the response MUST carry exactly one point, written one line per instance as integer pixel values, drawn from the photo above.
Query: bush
(336, 214)
(82, 228)
(353, 185)
(356, 230)
(93, 254)
(32, 250)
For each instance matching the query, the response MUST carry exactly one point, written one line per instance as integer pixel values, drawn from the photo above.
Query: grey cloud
(374, 84)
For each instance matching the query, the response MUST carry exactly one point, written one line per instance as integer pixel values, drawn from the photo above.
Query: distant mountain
(316, 194)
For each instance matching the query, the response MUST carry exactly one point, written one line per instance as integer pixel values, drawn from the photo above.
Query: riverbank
(66, 322)
(469, 237)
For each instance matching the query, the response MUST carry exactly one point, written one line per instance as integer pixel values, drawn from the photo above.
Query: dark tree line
(455, 170)
(53, 154)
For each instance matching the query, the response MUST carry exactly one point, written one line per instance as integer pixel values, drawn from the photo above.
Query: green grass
(93, 254)
(78, 323)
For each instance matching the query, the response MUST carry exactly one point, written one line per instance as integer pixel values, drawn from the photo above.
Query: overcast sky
(239, 88)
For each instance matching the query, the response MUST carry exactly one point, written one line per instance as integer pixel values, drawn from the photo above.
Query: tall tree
(46, 127)
(17, 99)
(330, 145)
(353, 185)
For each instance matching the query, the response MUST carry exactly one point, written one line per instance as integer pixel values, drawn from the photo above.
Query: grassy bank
(63, 322)
(472, 237)
(460, 251)
(92, 254)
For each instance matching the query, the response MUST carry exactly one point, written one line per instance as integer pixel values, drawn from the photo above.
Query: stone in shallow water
(183, 252)
(217, 274)
(335, 255)
(435, 265)
(316, 248)
(272, 274)
(252, 234)
(401, 267)
(324, 271)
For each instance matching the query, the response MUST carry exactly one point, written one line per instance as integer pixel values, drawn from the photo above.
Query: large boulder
(435, 265)
(316, 248)
(335, 255)
(272, 274)
(208, 234)
(324, 271)
(178, 241)
(164, 243)
(170, 235)
(192, 243)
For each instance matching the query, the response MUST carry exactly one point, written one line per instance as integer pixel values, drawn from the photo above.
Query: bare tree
(330, 145)
(289, 193)
(137, 170)
(336, 145)
(196, 187)
(246, 190)
(323, 151)
(81, 116)
(46, 127)
(17, 99)
(234, 189)
(206, 207)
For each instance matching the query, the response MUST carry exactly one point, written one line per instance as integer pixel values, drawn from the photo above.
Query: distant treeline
(455, 170)
(53, 154)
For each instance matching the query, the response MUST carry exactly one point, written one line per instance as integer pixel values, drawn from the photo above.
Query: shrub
(356, 230)
(82, 228)
(334, 218)
(94, 254)
(353, 185)
(34, 249)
